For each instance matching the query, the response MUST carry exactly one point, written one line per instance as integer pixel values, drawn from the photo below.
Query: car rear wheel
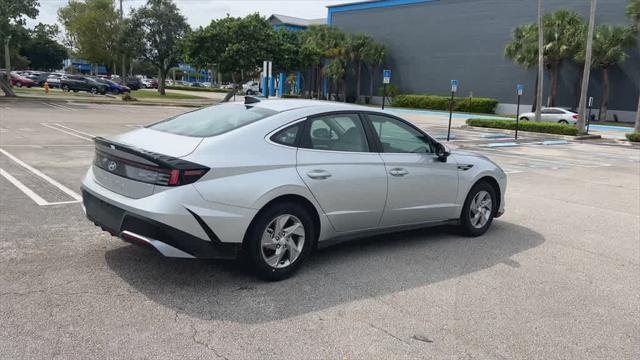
(19, 84)
(65, 88)
(524, 118)
(563, 122)
(94, 90)
(279, 240)
(478, 210)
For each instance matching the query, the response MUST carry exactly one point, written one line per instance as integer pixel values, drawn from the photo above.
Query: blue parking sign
(454, 82)
(386, 73)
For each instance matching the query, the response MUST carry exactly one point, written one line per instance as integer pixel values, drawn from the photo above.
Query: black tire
(65, 88)
(75, 90)
(19, 84)
(466, 226)
(524, 118)
(564, 122)
(249, 92)
(253, 239)
(93, 90)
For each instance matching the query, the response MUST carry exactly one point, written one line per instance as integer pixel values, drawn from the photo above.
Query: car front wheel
(279, 240)
(478, 210)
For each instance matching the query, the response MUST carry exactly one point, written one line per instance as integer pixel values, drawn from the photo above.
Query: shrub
(540, 127)
(634, 136)
(392, 90)
(193, 88)
(435, 102)
(291, 96)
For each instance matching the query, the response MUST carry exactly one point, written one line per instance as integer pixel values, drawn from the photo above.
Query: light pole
(540, 62)
(586, 71)
(122, 47)
(520, 88)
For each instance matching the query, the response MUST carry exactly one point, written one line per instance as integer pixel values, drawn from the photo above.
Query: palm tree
(355, 49)
(374, 54)
(336, 71)
(329, 42)
(523, 50)
(609, 48)
(564, 33)
(633, 12)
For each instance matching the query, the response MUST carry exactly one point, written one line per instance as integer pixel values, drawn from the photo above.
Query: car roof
(281, 105)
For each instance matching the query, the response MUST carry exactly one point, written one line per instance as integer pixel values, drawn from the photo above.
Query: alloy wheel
(480, 209)
(282, 241)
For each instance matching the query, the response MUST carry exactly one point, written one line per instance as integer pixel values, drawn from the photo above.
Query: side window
(339, 132)
(288, 136)
(398, 137)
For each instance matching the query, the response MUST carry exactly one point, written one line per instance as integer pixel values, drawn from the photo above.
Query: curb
(107, 102)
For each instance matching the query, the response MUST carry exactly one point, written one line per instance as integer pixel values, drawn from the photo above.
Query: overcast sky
(201, 12)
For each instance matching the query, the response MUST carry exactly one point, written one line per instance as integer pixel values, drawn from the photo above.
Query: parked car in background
(195, 84)
(205, 84)
(19, 80)
(113, 87)
(553, 114)
(77, 83)
(325, 171)
(251, 87)
(54, 80)
(150, 83)
(133, 83)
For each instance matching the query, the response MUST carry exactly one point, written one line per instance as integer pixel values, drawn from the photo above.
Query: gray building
(431, 42)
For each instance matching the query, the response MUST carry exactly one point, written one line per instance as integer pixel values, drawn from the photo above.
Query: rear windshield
(213, 120)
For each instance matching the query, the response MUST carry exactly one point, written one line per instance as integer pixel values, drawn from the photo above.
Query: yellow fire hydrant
(46, 87)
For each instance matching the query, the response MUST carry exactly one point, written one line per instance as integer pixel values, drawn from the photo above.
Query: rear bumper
(140, 230)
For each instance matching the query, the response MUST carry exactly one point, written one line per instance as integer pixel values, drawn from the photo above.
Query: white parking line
(58, 106)
(22, 187)
(584, 164)
(66, 132)
(37, 172)
(74, 130)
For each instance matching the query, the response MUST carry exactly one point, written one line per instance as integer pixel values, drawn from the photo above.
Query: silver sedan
(273, 179)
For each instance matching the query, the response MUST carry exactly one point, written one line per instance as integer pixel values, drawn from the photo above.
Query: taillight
(150, 173)
(575, 116)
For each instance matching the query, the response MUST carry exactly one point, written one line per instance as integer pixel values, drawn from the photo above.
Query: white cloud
(201, 12)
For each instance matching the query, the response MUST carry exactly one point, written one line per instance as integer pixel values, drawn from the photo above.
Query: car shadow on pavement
(336, 275)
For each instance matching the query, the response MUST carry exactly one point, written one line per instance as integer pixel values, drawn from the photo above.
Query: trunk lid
(142, 162)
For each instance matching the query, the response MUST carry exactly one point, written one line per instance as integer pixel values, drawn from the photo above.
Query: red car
(20, 81)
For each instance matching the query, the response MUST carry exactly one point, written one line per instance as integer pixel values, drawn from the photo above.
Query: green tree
(355, 47)
(564, 34)
(523, 50)
(609, 49)
(373, 57)
(633, 12)
(161, 28)
(326, 41)
(42, 50)
(12, 18)
(237, 46)
(336, 72)
(92, 29)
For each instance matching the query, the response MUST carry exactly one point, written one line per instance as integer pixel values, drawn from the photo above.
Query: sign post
(386, 78)
(589, 115)
(266, 77)
(520, 89)
(454, 89)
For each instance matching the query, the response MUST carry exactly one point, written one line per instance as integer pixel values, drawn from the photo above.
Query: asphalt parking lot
(557, 277)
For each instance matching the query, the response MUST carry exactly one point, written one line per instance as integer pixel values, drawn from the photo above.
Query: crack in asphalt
(388, 333)
(202, 343)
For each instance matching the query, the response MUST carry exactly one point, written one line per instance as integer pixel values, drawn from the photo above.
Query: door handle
(319, 174)
(398, 172)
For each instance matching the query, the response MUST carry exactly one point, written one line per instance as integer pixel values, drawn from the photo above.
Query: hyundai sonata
(273, 179)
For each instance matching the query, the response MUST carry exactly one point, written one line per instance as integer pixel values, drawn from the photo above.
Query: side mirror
(442, 152)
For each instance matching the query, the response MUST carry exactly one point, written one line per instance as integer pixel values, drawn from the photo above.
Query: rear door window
(336, 132)
(213, 120)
